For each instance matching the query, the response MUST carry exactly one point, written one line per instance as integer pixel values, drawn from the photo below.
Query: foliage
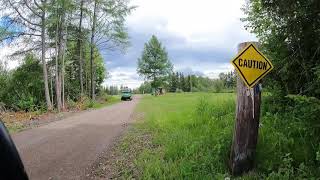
(23, 88)
(154, 63)
(177, 82)
(70, 40)
(145, 88)
(112, 90)
(226, 82)
(289, 34)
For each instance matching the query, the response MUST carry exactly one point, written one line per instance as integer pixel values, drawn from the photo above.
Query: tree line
(157, 69)
(177, 82)
(66, 38)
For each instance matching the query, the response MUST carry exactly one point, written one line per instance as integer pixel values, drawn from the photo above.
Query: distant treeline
(115, 90)
(178, 82)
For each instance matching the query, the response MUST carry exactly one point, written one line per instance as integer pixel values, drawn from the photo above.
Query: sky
(200, 36)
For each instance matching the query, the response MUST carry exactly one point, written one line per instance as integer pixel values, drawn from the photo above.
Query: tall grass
(192, 134)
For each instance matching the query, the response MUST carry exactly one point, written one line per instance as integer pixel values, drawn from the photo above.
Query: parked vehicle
(126, 95)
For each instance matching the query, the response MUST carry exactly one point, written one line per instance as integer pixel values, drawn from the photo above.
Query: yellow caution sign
(251, 65)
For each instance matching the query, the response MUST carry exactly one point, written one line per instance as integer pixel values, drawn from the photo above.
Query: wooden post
(245, 135)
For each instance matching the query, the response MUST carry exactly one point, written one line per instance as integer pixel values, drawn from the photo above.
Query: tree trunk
(65, 39)
(80, 50)
(43, 58)
(58, 83)
(92, 51)
(51, 84)
(245, 135)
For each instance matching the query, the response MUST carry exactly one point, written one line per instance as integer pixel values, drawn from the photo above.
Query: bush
(23, 89)
(72, 105)
(288, 130)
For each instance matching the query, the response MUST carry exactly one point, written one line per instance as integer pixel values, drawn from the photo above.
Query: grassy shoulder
(106, 101)
(18, 121)
(188, 136)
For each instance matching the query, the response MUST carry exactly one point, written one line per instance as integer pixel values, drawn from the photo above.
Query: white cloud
(201, 22)
(214, 73)
(123, 76)
(191, 30)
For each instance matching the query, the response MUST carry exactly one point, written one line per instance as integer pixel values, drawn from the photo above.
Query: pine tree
(189, 83)
(173, 83)
(183, 82)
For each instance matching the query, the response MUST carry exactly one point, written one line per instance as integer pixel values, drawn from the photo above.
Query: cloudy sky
(200, 36)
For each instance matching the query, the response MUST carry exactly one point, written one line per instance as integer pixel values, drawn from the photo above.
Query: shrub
(288, 130)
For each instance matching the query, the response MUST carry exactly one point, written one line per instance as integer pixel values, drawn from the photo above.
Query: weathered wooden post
(247, 123)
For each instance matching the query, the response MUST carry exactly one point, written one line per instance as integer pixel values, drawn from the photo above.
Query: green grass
(107, 101)
(190, 137)
(191, 134)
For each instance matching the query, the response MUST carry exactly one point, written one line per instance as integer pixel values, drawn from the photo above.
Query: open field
(188, 136)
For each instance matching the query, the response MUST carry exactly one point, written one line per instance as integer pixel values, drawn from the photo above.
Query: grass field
(188, 136)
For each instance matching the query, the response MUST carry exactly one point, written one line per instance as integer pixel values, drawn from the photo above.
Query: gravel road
(63, 149)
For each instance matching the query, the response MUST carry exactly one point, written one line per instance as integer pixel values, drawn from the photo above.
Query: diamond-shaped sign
(252, 65)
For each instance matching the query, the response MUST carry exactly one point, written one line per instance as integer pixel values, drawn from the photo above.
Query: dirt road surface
(63, 149)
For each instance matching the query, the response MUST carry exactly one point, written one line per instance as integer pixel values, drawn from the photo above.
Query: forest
(60, 45)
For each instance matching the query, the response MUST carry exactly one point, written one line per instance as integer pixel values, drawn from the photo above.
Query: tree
(183, 82)
(60, 19)
(24, 89)
(177, 74)
(68, 36)
(145, 88)
(108, 30)
(28, 19)
(288, 31)
(154, 63)
(189, 83)
(80, 50)
(173, 83)
(93, 32)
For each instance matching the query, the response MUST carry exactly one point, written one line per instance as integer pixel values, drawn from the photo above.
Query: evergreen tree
(182, 82)
(188, 84)
(154, 63)
(178, 80)
(173, 83)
